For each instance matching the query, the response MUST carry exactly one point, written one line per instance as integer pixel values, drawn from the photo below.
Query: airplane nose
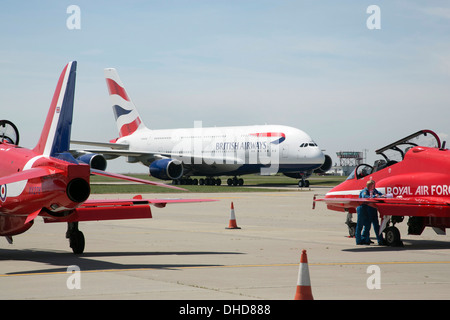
(317, 156)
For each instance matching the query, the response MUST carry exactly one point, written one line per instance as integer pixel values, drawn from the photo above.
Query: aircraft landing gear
(235, 181)
(392, 237)
(185, 181)
(303, 183)
(76, 237)
(351, 225)
(392, 234)
(210, 182)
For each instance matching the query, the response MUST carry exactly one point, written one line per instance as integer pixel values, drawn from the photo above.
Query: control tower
(349, 160)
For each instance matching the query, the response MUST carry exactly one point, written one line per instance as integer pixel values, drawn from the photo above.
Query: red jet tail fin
(55, 137)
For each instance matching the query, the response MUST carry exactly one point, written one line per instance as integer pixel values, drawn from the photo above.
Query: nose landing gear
(303, 183)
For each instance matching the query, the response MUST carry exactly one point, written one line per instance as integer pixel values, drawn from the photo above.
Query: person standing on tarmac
(367, 216)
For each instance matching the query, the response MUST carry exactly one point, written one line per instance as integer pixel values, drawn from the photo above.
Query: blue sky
(313, 65)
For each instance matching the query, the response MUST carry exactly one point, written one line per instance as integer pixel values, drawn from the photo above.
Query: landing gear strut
(351, 225)
(76, 237)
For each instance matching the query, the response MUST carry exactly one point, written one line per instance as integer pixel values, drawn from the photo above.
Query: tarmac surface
(186, 252)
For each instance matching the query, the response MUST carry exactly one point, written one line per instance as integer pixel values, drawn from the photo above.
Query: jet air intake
(166, 169)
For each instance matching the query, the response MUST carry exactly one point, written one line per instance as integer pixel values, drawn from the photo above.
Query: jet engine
(325, 166)
(95, 161)
(78, 190)
(166, 169)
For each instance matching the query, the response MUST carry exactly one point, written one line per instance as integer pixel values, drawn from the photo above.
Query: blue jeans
(362, 222)
(373, 219)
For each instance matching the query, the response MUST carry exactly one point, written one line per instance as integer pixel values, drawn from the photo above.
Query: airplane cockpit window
(308, 144)
(378, 165)
(363, 170)
(351, 175)
(8, 132)
(360, 172)
(395, 152)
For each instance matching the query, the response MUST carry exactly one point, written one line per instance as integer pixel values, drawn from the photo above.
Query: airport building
(348, 161)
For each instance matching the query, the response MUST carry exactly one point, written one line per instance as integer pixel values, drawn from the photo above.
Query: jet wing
(398, 206)
(122, 150)
(96, 210)
(119, 176)
(117, 149)
(354, 202)
(120, 146)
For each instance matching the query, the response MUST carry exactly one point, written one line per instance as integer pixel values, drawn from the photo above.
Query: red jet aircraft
(415, 184)
(48, 181)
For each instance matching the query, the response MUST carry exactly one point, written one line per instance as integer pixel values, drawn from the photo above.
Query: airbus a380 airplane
(178, 154)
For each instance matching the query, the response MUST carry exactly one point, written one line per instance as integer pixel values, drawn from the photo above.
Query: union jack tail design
(128, 120)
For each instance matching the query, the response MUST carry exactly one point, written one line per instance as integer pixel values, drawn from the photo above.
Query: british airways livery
(179, 154)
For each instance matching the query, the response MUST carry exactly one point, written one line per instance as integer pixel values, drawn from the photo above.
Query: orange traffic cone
(232, 224)
(304, 283)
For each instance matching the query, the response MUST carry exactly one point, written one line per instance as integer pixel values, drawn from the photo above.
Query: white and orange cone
(232, 224)
(304, 291)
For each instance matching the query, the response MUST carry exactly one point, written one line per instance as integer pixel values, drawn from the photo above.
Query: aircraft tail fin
(128, 120)
(55, 137)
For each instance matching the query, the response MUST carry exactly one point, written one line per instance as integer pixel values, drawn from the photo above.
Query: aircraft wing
(119, 176)
(122, 150)
(136, 208)
(398, 206)
(119, 146)
(117, 149)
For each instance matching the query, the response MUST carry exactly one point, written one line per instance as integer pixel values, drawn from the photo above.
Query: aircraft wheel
(301, 184)
(392, 237)
(351, 229)
(307, 183)
(77, 242)
(229, 181)
(201, 181)
(218, 182)
(241, 182)
(195, 182)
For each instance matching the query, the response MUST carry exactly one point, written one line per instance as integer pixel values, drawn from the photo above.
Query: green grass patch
(100, 185)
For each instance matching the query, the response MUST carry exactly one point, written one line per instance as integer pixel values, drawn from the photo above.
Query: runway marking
(234, 266)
